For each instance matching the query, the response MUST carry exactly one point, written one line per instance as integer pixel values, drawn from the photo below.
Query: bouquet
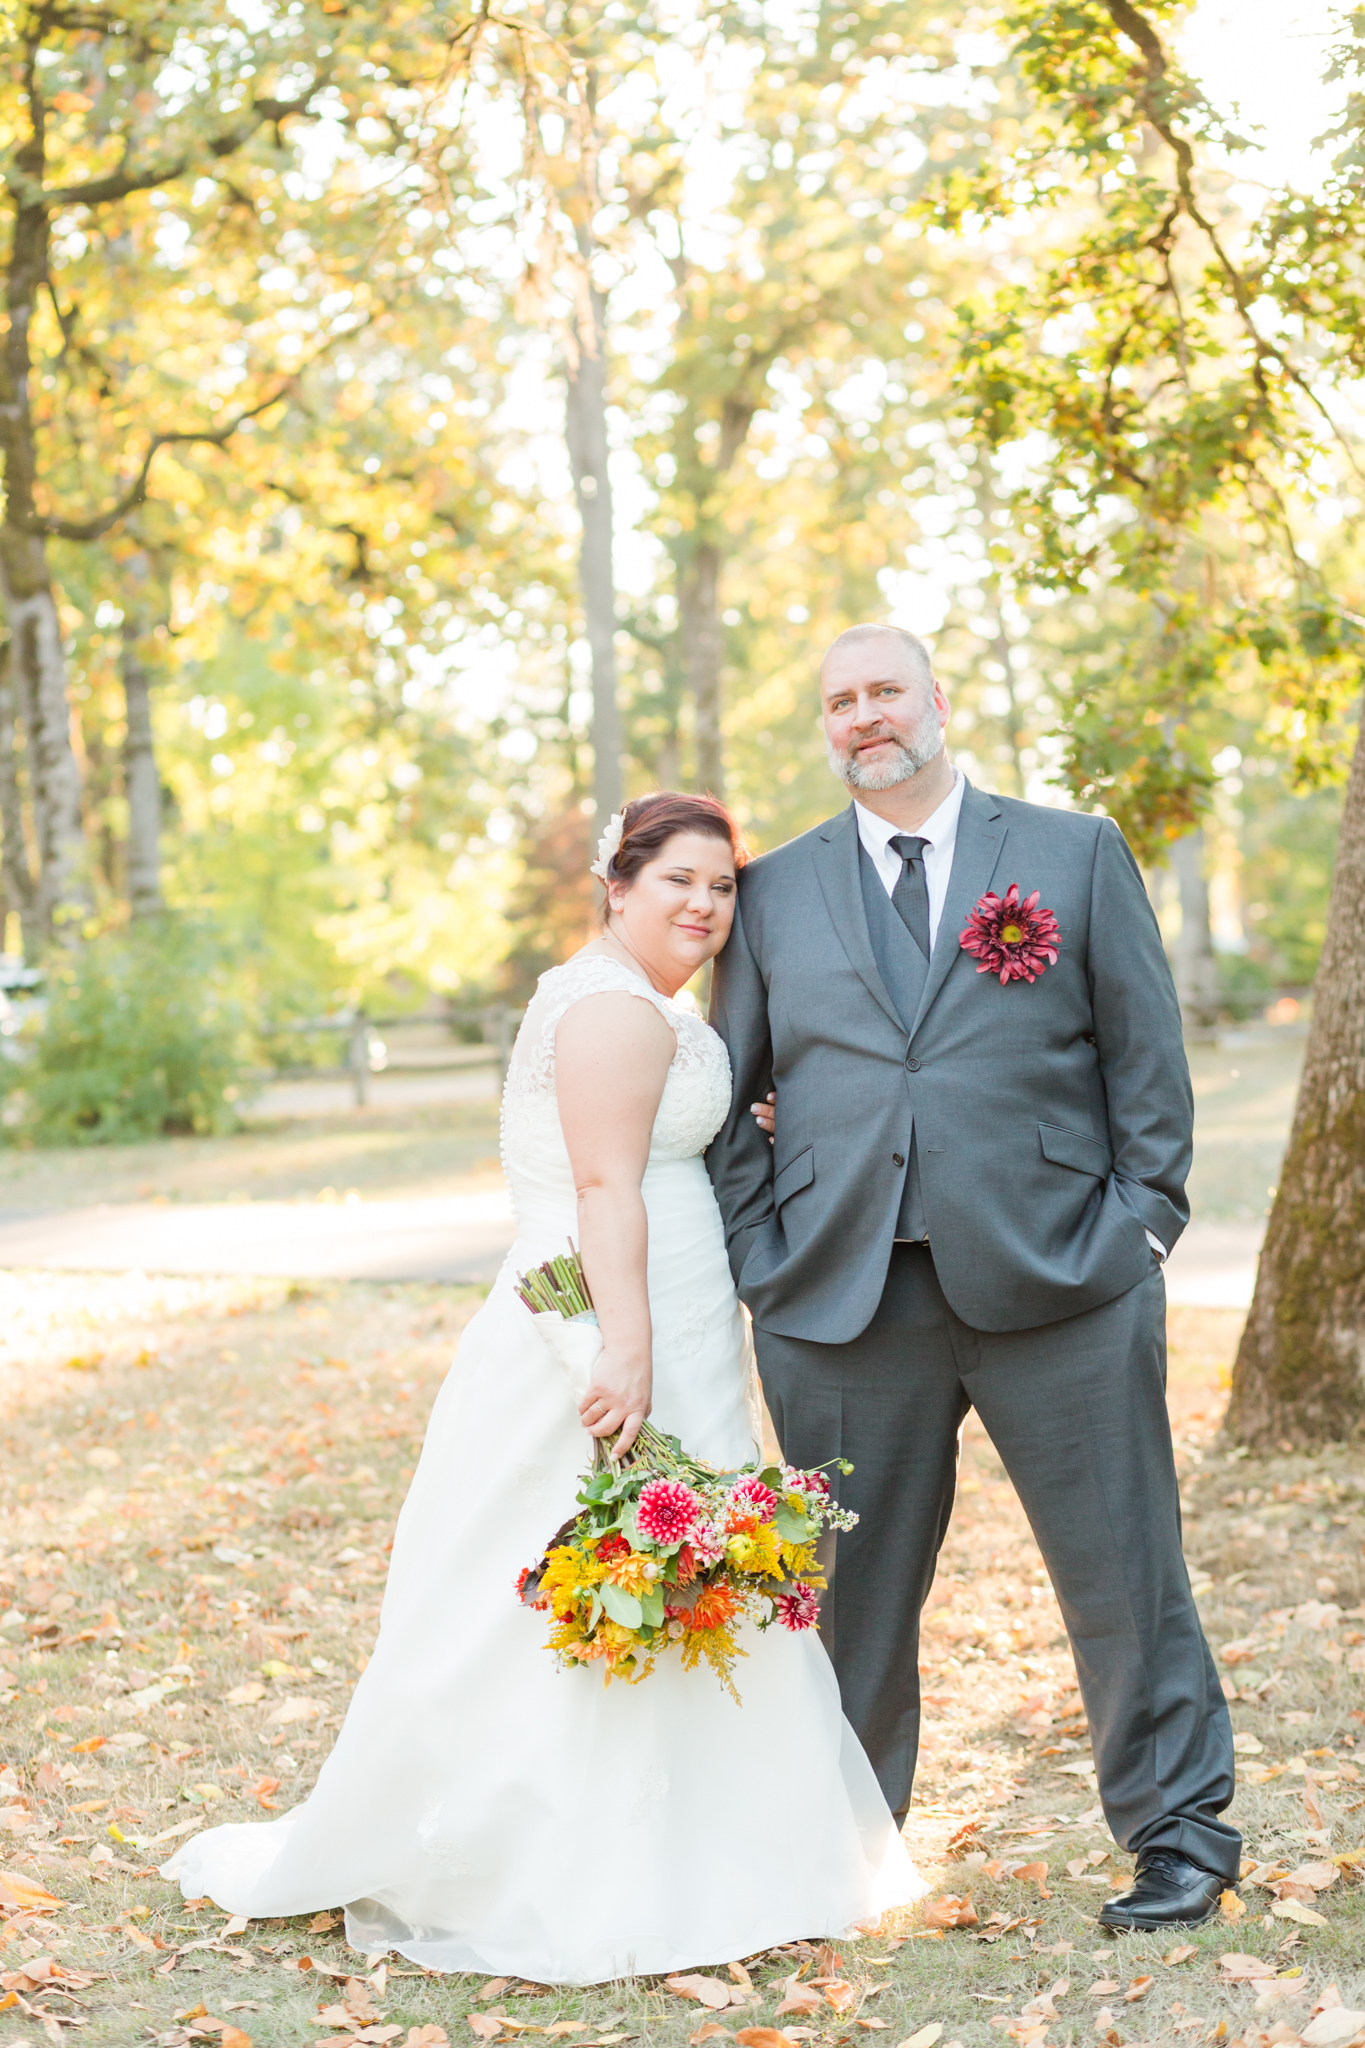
(667, 1552)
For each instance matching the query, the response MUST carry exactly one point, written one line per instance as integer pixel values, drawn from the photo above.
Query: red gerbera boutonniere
(1015, 940)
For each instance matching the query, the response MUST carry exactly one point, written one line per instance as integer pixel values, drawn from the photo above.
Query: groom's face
(883, 717)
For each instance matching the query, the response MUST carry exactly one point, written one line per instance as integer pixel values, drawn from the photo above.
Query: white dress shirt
(939, 833)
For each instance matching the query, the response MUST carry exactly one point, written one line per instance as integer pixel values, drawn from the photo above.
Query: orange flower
(714, 1607)
(687, 1565)
(737, 1524)
(632, 1572)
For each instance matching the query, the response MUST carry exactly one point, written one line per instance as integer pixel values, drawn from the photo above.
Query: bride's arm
(612, 1055)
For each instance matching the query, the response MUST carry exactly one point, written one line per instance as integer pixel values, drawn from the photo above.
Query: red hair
(649, 822)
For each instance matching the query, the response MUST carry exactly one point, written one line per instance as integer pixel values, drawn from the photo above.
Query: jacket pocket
(1075, 1149)
(798, 1173)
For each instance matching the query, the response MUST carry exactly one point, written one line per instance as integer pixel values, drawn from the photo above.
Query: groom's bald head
(906, 653)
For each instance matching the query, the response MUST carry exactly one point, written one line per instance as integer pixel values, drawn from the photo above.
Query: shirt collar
(877, 833)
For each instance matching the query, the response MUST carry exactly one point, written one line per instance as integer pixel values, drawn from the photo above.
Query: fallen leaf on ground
(1236, 1968)
(1321, 1876)
(951, 1912)
(294, 1709)
(741, 1976)
(1044, 2005)
(1139, 1988)
(926, 2036)
(430, 2036)
(1302, 1916)
(762, 2037)
(321, 1922)
(1328, 2029)
(494, 1988)
(709, 2030)
(1180, 1954)
(800, 1998)
(484, 2025)
(1231, 1906)
(1276, 1989)
(872, 2023)
(1106, 1988)
(708, 1991)
(1034, 1873)
(841, 1994)
(244, 1695)
(1246, 1744)
(26, 1895)
(233, 2037)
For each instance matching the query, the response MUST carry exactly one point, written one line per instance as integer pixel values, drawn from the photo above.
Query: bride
(484, 1810)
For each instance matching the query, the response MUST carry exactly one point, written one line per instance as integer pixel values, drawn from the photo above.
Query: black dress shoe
(1167, 1891)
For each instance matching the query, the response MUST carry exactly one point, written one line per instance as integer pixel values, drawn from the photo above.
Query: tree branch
(136, 494)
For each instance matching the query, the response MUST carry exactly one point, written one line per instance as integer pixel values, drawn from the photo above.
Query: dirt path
(200, 1482)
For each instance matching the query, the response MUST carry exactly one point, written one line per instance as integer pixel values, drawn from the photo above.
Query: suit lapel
(981, 832)
(835, 851)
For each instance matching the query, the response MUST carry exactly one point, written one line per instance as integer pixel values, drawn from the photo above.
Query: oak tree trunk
(39, 667)
(142, 783)
(20, 892)
(36, 654)
(1300, 1372)
(586, 435)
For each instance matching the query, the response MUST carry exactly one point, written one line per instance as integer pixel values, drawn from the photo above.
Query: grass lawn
(201, 1478)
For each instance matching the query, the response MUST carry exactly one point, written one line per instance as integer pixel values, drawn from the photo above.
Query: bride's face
(677, 912)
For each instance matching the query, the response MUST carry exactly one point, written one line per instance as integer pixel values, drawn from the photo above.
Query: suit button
(896, 1159)
(912, 1063)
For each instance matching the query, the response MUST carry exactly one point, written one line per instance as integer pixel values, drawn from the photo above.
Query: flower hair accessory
(607, 845)
(1016, 941)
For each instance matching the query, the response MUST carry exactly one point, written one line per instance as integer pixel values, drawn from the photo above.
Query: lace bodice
(696, 1094)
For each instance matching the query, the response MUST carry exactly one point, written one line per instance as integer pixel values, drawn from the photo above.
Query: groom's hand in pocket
(765, 1115)
(620, 1397)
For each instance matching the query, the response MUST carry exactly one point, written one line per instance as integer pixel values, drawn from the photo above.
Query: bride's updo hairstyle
(649, 822)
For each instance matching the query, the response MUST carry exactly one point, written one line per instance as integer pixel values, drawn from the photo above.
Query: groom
(975, 1179)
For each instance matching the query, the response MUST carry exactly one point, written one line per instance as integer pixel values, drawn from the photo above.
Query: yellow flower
(570, 1574)
(800, 1561)
(720, 1649)
(760, 1553)
(631, 1572)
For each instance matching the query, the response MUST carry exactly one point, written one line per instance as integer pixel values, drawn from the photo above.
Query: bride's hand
(765, 1115)
(620, 1397)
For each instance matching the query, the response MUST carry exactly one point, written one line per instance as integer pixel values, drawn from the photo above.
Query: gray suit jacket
(1053, 1119)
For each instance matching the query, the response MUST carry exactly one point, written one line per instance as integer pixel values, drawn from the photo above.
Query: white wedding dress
(484, 1810)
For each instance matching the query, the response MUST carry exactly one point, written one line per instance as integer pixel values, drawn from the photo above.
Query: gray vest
(904, 969)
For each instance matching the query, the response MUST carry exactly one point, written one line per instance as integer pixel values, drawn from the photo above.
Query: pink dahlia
(1014, 940)
(798, 1609)
(752, 1497)
(666, 1510)
(706, 1544)
(813, 1483)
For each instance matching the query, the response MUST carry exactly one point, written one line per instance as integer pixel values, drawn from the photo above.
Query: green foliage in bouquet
(141, 1038)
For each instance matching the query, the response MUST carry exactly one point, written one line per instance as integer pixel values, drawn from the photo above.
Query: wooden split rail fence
(364, 1053)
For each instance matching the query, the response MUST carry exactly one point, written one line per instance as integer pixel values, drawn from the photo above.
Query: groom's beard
(906, 758)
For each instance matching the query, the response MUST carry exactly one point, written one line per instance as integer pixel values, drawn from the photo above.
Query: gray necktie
(911, 893)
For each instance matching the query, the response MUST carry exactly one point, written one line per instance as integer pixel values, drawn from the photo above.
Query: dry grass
(201, 1480)
(384, 1151)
